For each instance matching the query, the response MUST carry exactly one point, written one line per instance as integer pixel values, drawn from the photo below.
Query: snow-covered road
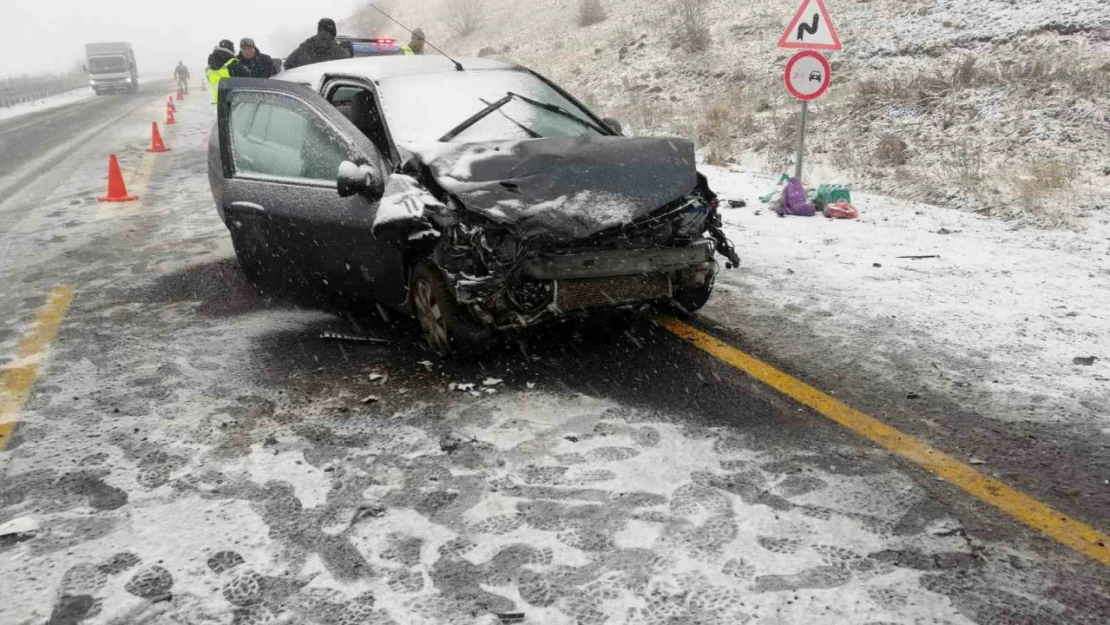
(195, 452)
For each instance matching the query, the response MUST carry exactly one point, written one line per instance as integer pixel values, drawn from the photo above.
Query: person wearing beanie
(222, 63)
(319, 48)
(258, 65)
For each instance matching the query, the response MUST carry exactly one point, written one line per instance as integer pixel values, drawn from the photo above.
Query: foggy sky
(50, 35)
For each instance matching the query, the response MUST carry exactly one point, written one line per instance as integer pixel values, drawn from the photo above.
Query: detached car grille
(611, 291)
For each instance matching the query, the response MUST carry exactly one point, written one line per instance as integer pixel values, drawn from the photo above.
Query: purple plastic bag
(795, 201)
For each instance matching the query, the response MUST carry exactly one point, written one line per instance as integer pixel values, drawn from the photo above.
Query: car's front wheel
(448, 328)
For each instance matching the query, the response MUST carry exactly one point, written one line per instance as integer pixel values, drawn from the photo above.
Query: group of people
(249, 63)
(252, 63)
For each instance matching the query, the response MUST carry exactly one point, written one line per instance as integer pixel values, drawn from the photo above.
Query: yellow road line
(17, 379)
(1051, 522)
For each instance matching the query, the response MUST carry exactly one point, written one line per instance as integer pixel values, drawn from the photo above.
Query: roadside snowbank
(46, 104)
(997, 318)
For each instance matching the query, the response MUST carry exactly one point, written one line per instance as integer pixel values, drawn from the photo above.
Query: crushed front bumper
(557, 285)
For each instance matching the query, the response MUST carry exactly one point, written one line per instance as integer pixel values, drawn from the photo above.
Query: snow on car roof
(378, 67)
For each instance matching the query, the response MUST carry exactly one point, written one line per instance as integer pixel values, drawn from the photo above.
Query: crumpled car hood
(564, 188)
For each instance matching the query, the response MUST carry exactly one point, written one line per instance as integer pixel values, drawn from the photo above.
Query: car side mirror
(614, 124)
(361, 179)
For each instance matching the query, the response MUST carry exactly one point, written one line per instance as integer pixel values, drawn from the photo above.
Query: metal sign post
(808, 76)
(801, 141)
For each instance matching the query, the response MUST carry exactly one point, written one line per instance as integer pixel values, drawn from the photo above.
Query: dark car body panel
(310, 234)
(565, 189)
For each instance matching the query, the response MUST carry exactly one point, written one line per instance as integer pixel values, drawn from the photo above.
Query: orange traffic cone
(117, 190)
(156, 144)
(170, 106)
(170, 121)
(180, 93)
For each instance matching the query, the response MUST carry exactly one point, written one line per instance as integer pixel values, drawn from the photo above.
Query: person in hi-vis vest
(416, 44)
(223, 64)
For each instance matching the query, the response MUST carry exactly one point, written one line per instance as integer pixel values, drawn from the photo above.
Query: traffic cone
(180, 93)
(117, 190)
(170, 106)
(170, 121)
(156, 144)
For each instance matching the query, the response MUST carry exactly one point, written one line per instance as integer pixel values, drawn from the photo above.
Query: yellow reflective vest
(216, 75)
(407, 50)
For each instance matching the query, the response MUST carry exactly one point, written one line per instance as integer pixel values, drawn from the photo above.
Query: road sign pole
(801, 141)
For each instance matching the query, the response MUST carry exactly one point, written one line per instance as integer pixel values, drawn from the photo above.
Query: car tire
(448, 328)
(691, 299)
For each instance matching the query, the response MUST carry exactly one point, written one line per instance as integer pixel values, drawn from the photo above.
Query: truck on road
(112, 67)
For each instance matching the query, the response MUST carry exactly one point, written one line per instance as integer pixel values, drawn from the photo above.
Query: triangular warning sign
(811, 29)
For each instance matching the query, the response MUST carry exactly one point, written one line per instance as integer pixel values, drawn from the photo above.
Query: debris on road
(370, 399)
(920, 257)
(335, 336)
(1085, 361)
(367, 511)
(737, 203)
(427, 364)
(491, 382)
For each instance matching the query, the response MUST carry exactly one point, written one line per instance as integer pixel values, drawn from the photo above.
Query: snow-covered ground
(1003, 320)
(45, 104)
(996, 106)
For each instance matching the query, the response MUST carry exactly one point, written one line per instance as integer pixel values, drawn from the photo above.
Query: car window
(107, 64)
(276, 135)
(421, 108)
(343, 94)
(505, 123)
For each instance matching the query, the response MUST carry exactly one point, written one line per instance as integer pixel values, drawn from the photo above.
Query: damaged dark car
(475, 195)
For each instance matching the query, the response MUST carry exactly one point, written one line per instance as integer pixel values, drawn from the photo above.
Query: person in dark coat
(258, 65)
(318, 48)
(220, 56)
(223, 63)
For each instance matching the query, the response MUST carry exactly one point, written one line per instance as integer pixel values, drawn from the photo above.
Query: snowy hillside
(996, 106)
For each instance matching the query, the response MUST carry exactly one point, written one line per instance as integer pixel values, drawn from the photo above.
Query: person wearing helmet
(222, 63)
(415, 45)
(319, 48)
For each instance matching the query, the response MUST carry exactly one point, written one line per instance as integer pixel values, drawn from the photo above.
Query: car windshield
(107, 64)
(422, 108)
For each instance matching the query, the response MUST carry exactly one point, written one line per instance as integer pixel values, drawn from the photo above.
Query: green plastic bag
(830, 194)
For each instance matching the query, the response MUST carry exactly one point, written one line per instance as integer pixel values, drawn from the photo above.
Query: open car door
(282, 145)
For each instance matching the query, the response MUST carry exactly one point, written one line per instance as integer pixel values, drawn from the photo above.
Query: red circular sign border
(790, 66)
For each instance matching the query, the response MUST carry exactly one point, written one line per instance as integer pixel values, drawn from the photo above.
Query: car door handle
(249, 206)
